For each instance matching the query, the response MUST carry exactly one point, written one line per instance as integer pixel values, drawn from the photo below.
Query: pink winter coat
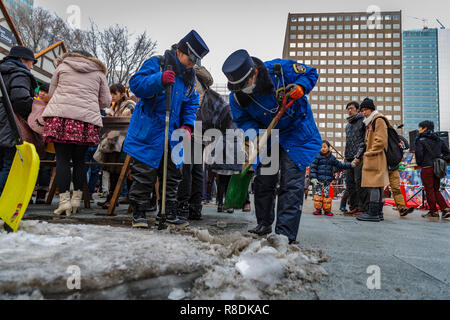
(79, 90)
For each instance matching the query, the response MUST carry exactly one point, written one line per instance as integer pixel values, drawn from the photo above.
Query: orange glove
(295, 92)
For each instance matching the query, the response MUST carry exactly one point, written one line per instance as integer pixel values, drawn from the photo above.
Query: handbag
(28, 135)
(99, 156)
(439, 164)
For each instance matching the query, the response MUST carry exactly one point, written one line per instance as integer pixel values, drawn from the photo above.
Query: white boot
(76, 201)
(64, 205)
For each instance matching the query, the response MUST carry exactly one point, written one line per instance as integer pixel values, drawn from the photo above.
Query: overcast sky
(228, 25)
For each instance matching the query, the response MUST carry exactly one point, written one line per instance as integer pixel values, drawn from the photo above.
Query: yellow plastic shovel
(23, 174)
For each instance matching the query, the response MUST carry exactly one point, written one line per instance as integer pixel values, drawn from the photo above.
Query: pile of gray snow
(34, 262)
(260, 269)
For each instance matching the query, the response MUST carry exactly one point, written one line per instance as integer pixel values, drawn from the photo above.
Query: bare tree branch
(114, 45)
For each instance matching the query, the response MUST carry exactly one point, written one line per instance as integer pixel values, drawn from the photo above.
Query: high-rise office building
(357, 56)
(426, 78)
(444, 78)
(26, 5)
(420, 78)
(222, 89)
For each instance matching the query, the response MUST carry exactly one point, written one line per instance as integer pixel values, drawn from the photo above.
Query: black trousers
(210, 177)
(358, 196)
(345, 198)
(66, 152)
(113, 180)
(290, 197)
(144, 179)
(375, 194)
(6, 160)
(190, 190)
(222, 186)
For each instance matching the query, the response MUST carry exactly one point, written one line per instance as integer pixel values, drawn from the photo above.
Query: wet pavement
(412, 254)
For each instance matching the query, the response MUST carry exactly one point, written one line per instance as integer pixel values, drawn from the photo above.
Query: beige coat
(79, 90)
(122, 111)
(203, 75)
(375, 171)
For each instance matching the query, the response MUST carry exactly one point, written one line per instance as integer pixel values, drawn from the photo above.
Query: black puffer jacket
(20, 84)
(355, 134)
(322, 167)
(438, 149)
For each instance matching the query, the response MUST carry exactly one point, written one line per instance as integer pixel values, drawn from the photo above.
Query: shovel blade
(19, 186)
(238, 190)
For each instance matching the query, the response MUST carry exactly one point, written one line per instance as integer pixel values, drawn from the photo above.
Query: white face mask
(249, 90)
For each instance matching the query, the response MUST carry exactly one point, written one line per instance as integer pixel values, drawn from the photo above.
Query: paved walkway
(413, 254)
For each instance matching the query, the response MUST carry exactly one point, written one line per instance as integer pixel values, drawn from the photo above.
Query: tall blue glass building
(420, 78)
(26, 5)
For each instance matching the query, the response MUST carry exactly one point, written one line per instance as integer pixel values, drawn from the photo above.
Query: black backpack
(439, 164)
(394, 153)
(215, 112)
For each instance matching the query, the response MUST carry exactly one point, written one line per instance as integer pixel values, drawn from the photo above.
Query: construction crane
(442, 26)
(425, 22)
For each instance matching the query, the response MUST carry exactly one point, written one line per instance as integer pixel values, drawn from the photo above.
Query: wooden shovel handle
(267, 134)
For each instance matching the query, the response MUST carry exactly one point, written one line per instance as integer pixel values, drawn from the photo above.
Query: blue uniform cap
(194, 46)
(237, 68)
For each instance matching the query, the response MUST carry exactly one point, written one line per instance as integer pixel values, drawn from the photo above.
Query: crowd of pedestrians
(65, 118)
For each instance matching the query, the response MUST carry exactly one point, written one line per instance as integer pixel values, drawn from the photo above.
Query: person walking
(355, 133)
(374, 172)
(394, 181)
(321, 172)
(429, 147)
(257, 90)
(145, 138)
(20, 84)
(78, 91)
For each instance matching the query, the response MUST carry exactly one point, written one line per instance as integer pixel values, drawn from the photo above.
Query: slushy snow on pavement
(34, 261)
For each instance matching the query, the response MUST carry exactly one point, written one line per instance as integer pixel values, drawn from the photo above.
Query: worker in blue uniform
(145, 138)
(257, 92)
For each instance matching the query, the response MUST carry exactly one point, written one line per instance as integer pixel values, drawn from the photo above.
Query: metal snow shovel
(238, 187)
(22, 176)
(162, 222)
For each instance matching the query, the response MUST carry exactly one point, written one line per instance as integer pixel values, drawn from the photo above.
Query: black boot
(40, 197)
(256, 229)
(172, 218)
(139, 218)
(380, 208)
(152, 207)
(264, 231)
(158, 216)
(195, 212)
(261, 230)
(183, 210)
(373, 214)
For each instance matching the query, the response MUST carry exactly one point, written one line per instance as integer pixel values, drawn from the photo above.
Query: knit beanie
(368, 104)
